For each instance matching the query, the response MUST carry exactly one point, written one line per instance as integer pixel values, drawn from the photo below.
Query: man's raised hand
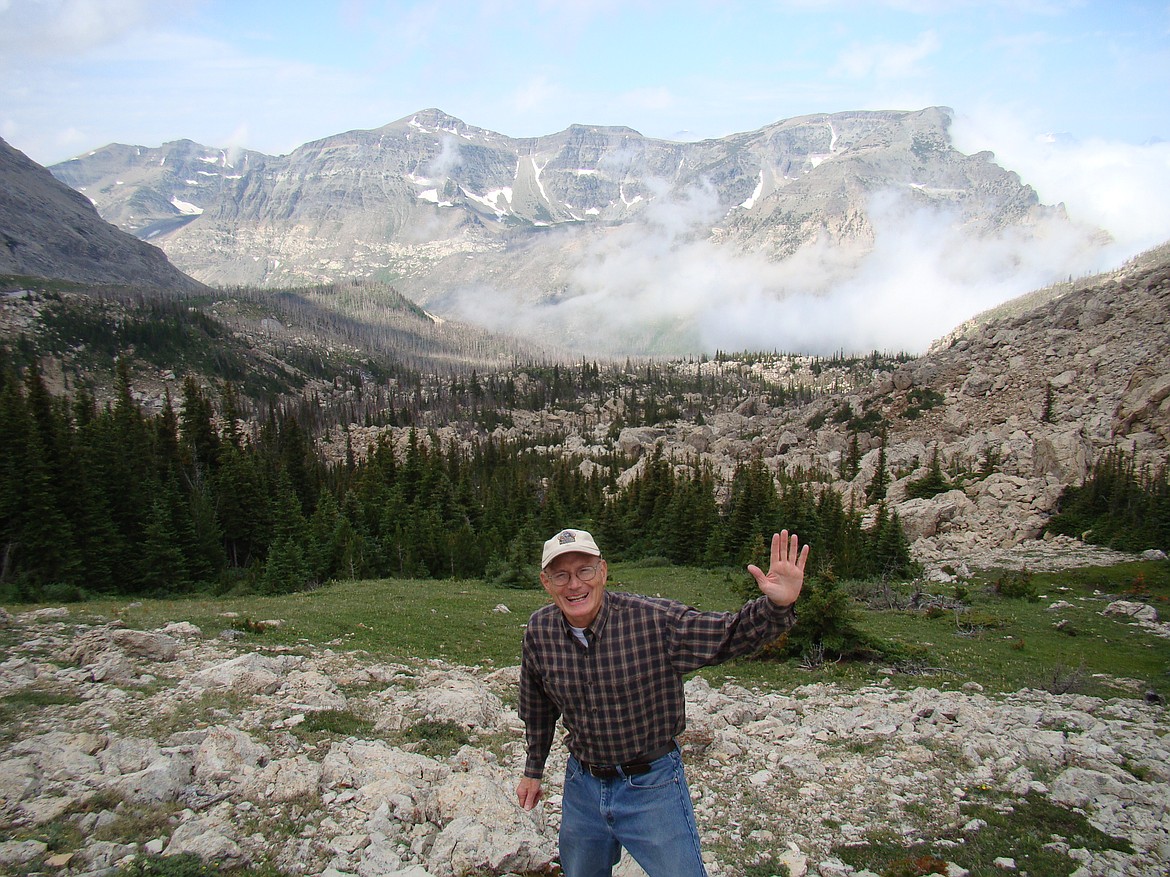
(785, 575)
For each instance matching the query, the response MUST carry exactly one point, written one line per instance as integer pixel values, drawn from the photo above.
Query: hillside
(270, 346)
(322, 740)
(48, 230)
(1012, 412)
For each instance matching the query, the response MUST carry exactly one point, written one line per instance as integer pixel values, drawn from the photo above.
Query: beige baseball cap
(566, 541)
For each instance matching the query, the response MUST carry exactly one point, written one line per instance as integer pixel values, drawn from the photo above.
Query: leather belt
(630, 768)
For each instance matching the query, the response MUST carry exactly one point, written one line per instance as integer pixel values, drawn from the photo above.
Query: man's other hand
(528, 792)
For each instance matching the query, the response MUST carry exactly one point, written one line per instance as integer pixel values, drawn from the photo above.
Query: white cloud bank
(1121, 187)
(662, 286)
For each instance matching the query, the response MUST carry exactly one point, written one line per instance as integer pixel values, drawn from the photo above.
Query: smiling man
(611, 665)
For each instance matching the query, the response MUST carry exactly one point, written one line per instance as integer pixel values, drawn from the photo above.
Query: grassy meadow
(1002, 643)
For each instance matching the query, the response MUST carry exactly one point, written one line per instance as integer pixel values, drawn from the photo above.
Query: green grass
(388, 618)
(1001, 644)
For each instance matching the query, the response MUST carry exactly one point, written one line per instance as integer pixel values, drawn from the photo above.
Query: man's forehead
(573, 559)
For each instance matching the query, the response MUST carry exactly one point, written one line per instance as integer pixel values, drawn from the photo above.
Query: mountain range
(658, 241)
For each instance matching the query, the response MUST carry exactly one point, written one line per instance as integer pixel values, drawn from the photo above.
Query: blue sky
(272, 75)
(1074, 95)
(78, 74)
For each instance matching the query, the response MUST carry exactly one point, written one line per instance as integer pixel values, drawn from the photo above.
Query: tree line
(108, 499)
(1120, 504)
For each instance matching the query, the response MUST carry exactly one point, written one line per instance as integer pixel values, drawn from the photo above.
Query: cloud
(884, 60)
(535, 94)
(449, 158)
(1121, 187)
(662, 286)
(65, 27)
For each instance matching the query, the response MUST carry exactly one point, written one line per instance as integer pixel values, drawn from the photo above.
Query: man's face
(579, 601)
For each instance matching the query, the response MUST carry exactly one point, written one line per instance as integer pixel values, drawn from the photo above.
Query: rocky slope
(180, 741)
(49, 230)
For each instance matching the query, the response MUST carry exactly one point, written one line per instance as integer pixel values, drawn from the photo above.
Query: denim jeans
(649, 814)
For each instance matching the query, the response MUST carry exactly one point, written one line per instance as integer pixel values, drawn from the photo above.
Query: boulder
(466, 845)
(1130, 609)
(161, 781)
(286, 780)
(16, 853)
(309, 691)
(927, 517)
(209, 838)
(147, 644)
(229, 755)
(250, 673)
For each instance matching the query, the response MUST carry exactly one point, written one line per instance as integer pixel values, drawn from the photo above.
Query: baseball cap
(566, 541)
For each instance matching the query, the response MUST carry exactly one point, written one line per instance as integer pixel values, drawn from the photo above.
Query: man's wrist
(780, 608)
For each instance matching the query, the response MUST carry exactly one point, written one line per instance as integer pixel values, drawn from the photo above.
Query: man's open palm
(785, 575)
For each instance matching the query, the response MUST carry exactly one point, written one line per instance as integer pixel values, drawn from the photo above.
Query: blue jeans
(649, 814)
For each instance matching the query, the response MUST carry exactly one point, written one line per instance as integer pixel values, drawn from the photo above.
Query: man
(611, 665)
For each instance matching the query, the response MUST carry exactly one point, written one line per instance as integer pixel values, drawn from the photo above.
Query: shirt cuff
(776, 613)
(534, 767)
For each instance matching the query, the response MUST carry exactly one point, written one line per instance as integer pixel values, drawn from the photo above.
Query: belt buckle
(603, 771)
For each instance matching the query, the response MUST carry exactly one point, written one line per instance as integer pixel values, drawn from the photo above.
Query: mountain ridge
(532, 232)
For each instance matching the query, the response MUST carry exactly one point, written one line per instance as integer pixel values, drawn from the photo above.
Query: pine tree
(38, 545)
(200, 441)
(162, 570)
(203, 547)
(891, 550)
(334, 550)
(752, 510)
(876, 490)
(100, 543)
(286, 570)
(244, 510)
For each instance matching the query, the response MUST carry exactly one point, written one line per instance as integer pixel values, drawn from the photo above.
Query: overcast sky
(1074, 95)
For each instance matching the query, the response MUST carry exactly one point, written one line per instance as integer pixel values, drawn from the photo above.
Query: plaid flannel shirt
(623, 696)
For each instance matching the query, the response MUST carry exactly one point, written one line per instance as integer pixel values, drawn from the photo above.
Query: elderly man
(611, 665)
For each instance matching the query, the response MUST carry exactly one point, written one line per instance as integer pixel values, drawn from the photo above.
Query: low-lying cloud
(1118, 186)
(663, 286)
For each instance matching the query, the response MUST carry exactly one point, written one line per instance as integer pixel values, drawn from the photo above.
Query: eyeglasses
(584, 574)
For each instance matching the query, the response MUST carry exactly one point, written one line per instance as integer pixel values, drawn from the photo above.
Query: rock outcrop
(1017, 408)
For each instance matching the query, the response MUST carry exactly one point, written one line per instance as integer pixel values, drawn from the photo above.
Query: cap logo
(566, 536)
